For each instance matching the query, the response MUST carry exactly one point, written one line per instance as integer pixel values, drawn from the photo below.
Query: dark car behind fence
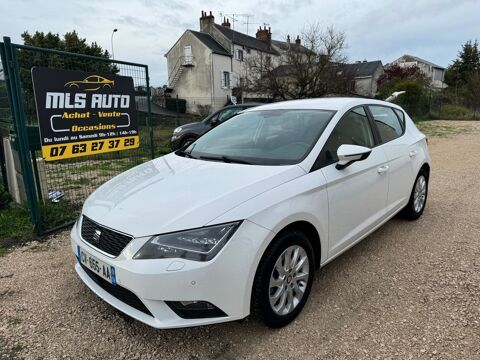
(54, 191)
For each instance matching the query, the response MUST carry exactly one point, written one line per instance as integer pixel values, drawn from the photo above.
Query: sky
(375, 30)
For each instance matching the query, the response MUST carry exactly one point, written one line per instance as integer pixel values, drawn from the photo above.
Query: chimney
(288, 41)
(206, 22)
(226, 23)
(298, 41)
(264, 34)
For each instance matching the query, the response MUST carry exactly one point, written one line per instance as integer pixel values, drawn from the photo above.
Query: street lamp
(111, 40)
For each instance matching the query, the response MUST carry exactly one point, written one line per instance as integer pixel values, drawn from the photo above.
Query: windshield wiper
(226, 159)
(185, 154)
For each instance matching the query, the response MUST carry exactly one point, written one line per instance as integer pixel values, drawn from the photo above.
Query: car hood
(192, 126)
(173, 193)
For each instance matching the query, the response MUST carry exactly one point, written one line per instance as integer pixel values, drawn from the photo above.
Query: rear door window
(387, 123)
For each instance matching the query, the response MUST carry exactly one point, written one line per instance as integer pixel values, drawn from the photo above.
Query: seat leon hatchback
(236, 223)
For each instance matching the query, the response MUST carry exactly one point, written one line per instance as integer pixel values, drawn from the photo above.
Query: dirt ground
(411, 290)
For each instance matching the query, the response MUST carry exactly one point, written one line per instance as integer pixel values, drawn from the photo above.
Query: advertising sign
(83, 113)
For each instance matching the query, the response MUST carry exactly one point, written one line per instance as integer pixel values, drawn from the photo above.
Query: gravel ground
(411, 290)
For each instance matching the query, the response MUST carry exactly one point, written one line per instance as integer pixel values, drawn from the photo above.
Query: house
(206, 67)
(435, 73)
(364, 76)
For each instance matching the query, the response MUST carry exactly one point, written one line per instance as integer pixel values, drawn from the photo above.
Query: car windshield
(262, 137)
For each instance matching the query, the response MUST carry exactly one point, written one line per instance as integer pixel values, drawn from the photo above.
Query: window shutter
(222, 80)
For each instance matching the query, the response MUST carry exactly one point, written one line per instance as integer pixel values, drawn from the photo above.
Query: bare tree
(312, 69)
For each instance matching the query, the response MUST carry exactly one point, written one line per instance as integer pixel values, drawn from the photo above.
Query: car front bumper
(225, 281)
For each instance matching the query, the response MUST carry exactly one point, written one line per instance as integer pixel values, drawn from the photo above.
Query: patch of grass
(55, 214)
(80, 181)
(89, 167)
(4, 251)
(15, 226)
(434, 129)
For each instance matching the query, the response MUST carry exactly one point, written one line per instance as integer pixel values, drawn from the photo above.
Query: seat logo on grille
(96, 236)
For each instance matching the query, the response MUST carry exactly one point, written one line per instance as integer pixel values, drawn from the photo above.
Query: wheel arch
(188, 136)
(312, 235)
(309, 230)
(426, 167)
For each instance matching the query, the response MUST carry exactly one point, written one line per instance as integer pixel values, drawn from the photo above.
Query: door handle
(412, 153)
(382, 169)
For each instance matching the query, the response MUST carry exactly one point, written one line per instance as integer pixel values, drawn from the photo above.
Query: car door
(395, 144)
(357, 194)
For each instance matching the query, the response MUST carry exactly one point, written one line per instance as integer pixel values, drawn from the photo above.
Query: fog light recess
(195, 309)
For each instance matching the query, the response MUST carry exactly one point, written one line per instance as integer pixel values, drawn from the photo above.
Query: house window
(268, 61)
(239, 55)
(225, 78)
(187, 55)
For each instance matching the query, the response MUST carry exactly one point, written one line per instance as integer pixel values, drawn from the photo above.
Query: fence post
(9, 97)
(20, 128)
(149, 109)
(177, 123)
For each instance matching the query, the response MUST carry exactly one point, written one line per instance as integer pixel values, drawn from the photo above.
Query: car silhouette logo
(91, 83)
(96, 236)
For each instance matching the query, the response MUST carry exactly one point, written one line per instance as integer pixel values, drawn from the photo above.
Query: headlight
(177, 130)
(198, 244)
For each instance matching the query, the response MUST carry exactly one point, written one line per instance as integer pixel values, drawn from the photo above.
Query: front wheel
(418, 197)
(186, 142)
(283, 279)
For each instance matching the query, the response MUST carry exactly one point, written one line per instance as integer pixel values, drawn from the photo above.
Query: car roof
(327, 103)
(240, 105)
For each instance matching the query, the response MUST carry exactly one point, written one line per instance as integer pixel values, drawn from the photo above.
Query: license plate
(103, 270)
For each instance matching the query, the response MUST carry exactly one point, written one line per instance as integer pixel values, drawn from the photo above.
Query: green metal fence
(5, 126)
(75, 178)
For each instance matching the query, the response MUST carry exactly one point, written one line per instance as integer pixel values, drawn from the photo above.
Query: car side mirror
(348, 154)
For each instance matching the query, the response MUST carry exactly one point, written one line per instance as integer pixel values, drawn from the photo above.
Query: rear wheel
(418, 197)
(283, 279)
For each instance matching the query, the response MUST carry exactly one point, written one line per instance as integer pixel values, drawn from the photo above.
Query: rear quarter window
(401, 116)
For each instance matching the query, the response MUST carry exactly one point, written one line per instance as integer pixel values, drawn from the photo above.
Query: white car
(237, 223)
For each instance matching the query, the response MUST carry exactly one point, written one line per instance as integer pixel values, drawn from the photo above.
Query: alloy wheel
(289, 280)
(419, 194)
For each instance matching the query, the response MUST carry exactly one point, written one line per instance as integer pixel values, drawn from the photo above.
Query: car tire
(273, 289)
(418, 197)
(186, 142)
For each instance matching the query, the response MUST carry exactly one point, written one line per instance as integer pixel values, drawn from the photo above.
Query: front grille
(103, 238)
(118, 292)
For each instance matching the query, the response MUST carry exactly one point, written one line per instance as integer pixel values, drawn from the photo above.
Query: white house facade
(205, 67)
(435, 73)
